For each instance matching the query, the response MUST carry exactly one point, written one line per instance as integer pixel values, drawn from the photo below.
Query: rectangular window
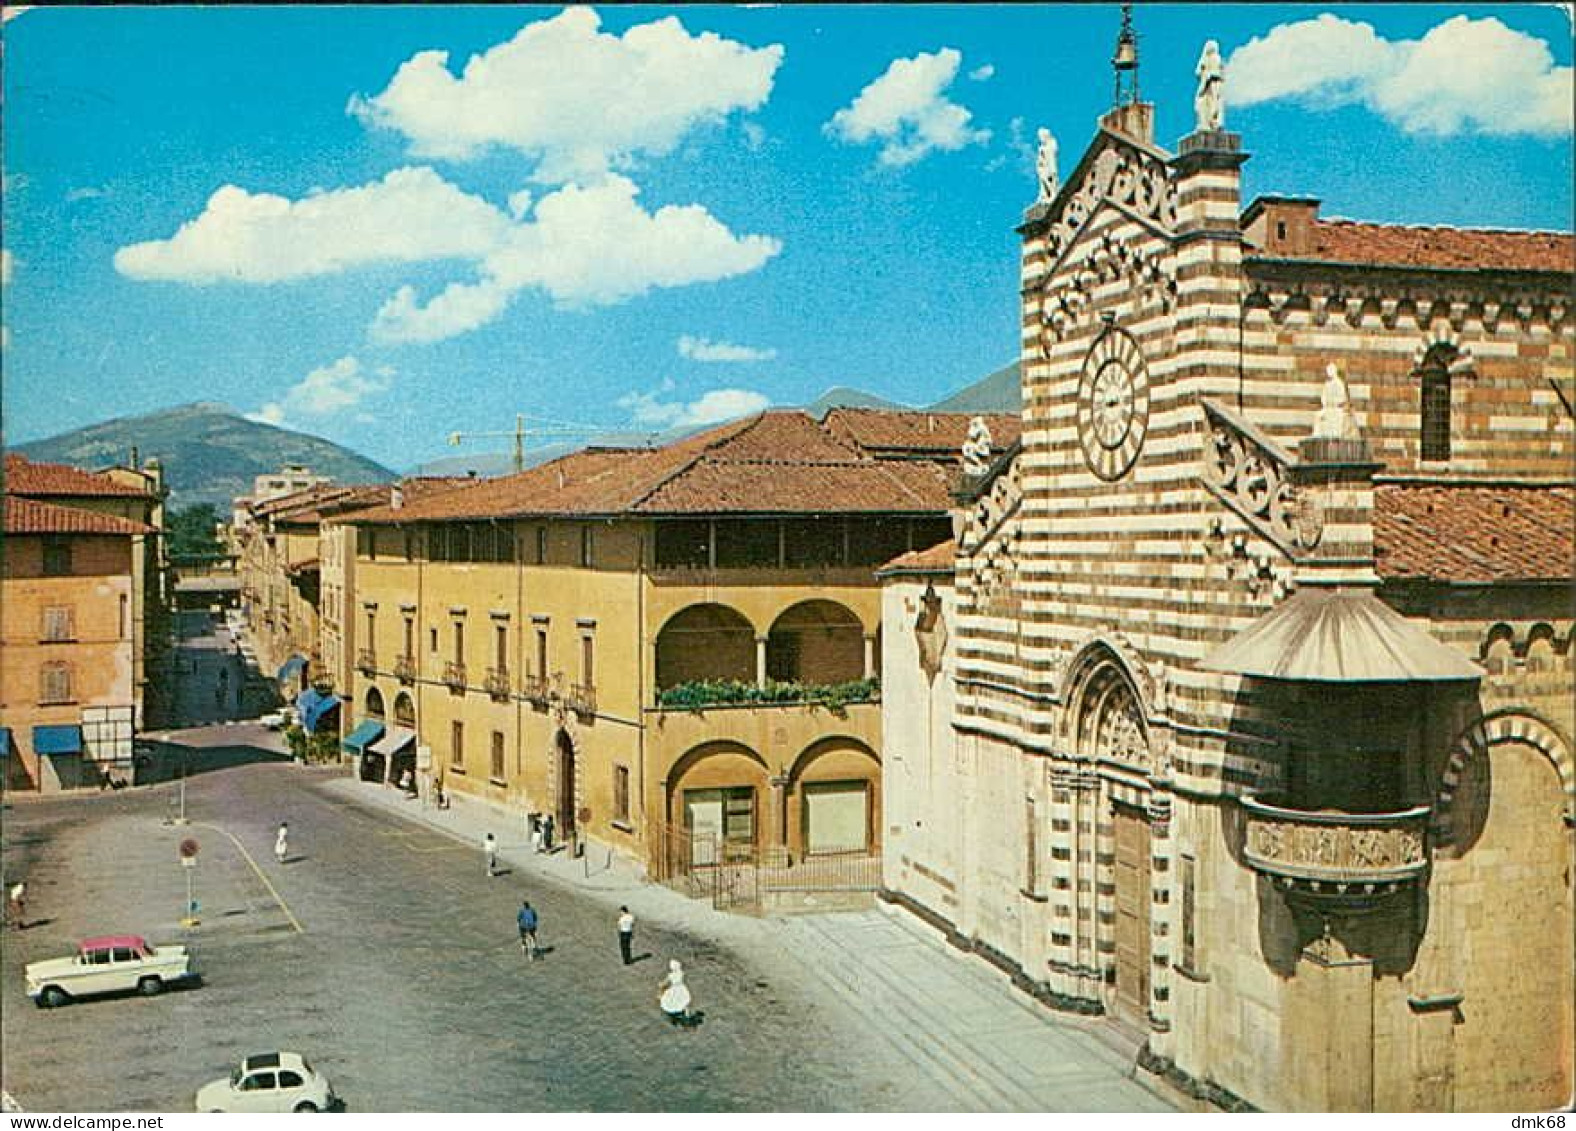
(1436, 415)
(457, 745)
(55, 684)
(57, 623)
(459, 642)
(123, 634)
(1187, 870)
(433, 641)
(372, 624)
(501, 647)
(587, 546)
(541, 652)
(541, 545)
(497, 756)
(587, 661)
(621, 793)
(1031, 847)
(57, 557)
(410, 636)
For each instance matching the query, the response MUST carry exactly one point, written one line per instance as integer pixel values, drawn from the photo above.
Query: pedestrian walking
(675, 999)
(490, 850)
(626, 935)
(16, 904)
(536, 833)
(527, 921)
(282, 842)
(547, 833)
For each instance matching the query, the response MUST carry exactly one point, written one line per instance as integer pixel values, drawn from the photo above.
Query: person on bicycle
(527, 921)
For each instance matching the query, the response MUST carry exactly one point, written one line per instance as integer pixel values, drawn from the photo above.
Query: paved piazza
(383, 952)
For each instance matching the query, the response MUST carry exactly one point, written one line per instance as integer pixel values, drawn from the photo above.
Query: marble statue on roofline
(977, 448)
(1209, 104)
(1334, 420)
(1045, 167)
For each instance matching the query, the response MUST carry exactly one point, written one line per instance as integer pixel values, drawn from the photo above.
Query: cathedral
(1239, 710)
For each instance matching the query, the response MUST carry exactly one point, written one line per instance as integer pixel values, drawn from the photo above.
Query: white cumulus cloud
(651, 411)
(906, 109)
(704, 349)
(583, 246)
(328, 390)
(577, 100)
(411, 215)
(1463, 76)
(983, 73)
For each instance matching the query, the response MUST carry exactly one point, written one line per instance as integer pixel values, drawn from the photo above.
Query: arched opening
(816, 642)
(715, 794)
(564, 808)
(837, 784)
(1499, 650)
(705, 642)
(374, 702)
(404, 711)
(1109, 727)
(1541, 654)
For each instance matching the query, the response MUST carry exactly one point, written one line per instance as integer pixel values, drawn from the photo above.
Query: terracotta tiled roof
(772, 463)
(39, 480)
(937, 559)
(1351, 241)
(924, 434)
(1480, 534)
(29, 516)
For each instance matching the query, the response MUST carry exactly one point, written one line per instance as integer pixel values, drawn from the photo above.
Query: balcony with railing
(582, 699)
(497, 683)
(405, 669)
(1336, 855)
(366, 661)
(535, 688)
(454, 676)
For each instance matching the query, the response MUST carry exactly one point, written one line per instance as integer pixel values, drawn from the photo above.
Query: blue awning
(290, 667)
(312, 705)
(367, 730)
(57, 740)
(5, 741)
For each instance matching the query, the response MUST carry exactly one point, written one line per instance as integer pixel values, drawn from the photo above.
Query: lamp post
(188, 851)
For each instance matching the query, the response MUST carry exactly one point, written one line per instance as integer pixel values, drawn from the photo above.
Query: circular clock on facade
(1113, 405)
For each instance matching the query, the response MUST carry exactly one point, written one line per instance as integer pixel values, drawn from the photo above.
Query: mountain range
(211, 453)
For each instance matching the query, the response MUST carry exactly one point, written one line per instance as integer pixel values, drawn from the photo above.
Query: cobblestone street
(382, 951)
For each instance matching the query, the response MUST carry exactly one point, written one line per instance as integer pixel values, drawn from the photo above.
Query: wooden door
(1132, 911)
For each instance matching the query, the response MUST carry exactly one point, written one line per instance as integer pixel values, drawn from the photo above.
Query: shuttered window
(55, 683)
(57, 623)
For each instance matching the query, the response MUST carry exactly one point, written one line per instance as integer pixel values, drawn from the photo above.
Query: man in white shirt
(626, 934)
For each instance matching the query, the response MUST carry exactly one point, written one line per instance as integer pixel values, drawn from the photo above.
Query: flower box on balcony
(405, 669)
(700, 694)
(454, 676)
(366, 661)
(582, 699)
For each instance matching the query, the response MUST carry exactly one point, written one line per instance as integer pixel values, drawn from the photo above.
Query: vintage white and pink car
(106, 965)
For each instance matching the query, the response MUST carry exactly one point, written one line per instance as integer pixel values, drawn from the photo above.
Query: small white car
(105, 965)
(273, 720)
(270, 1082)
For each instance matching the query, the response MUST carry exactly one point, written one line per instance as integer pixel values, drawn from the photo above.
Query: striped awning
(1339, 636)
(367, 731)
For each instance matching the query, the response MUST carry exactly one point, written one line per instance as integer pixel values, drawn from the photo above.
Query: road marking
(247, 856)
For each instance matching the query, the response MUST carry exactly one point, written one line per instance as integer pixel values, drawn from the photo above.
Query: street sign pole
(188, 852)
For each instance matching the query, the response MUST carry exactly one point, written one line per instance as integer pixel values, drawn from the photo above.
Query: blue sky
(654, 216)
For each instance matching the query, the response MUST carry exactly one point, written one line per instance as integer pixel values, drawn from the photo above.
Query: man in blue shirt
(527, 921)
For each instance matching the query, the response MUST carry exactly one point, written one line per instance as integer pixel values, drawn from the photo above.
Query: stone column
(760, 661)
(777, 811)
(1061, 882)
(870, 657)
(1162, 904)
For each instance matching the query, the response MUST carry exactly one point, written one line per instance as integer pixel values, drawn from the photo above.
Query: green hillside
(210, 452)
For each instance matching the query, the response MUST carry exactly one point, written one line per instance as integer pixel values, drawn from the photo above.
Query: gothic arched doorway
(564, 808)
(1109, 730)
